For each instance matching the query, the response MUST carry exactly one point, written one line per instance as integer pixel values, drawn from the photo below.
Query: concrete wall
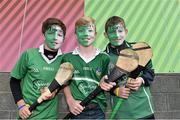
(165, 90)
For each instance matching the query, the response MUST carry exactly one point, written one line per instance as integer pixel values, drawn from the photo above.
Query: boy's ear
(105, 34)
(126, 30)
(95, 33)
(43, 34)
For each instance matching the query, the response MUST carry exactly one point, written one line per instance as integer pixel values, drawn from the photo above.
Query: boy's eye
(112, 31)
(60, 35)
(90, 30)
(50, 32)
(119, 30)
(80, 30)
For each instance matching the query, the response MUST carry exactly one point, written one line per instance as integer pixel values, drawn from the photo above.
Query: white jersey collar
(77, 52)
(41, 50)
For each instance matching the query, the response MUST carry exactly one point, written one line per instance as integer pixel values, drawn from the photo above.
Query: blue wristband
(20, 107)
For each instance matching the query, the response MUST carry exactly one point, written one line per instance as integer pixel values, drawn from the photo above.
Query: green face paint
(116, 34)
(85, 35)
(54, 37)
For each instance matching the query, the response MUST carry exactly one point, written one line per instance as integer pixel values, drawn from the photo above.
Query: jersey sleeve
(20, 67)
(16, 89)
(148, 74)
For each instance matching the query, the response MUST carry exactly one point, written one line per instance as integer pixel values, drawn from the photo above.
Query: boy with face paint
(90, 66)
(137, 101)
(34, 72)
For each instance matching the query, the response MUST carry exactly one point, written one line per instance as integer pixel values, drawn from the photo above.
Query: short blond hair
(85, 20)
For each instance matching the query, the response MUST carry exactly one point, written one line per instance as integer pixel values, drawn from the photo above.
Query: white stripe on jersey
(148, 100)
(85, 79)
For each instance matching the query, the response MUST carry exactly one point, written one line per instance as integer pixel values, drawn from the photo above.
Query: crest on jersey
(98, 71)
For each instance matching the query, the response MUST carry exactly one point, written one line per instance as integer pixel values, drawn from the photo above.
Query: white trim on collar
(77, 52)
(41, 50)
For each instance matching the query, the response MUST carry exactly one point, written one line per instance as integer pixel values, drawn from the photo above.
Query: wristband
(20, 107)
(27, 105)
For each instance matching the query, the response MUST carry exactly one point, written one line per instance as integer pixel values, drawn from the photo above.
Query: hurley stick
(64, 74)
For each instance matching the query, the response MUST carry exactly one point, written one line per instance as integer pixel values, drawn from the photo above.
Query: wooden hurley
(64, 74)
(127, 62)
(145, 53)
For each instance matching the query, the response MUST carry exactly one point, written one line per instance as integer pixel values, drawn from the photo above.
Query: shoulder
(29, 53)
(31, 50)
(102, 53)
(67, 56)
(104, 56)
(130, 44)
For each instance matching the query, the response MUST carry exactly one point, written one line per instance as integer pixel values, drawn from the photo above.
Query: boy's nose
(118, 35)
(86, 35)
(56, 36)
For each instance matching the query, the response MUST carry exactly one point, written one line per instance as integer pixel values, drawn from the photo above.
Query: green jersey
(139, 103)
(36, 72)
(87, 75)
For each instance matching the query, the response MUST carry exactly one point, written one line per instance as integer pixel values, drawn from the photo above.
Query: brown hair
(53, 21)
(113, 21)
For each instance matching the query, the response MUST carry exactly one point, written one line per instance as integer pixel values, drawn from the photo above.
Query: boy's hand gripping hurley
(127, 62)
(64, 74)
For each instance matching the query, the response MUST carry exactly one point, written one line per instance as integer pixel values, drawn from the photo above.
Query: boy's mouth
(117, 40)
(55, 43)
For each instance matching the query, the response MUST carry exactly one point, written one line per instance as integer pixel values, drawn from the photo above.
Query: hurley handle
(33, 106)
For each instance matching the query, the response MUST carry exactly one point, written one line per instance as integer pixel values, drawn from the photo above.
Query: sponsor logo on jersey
(38, 84)
(86, 88)
(48, 68)
(87, 68)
